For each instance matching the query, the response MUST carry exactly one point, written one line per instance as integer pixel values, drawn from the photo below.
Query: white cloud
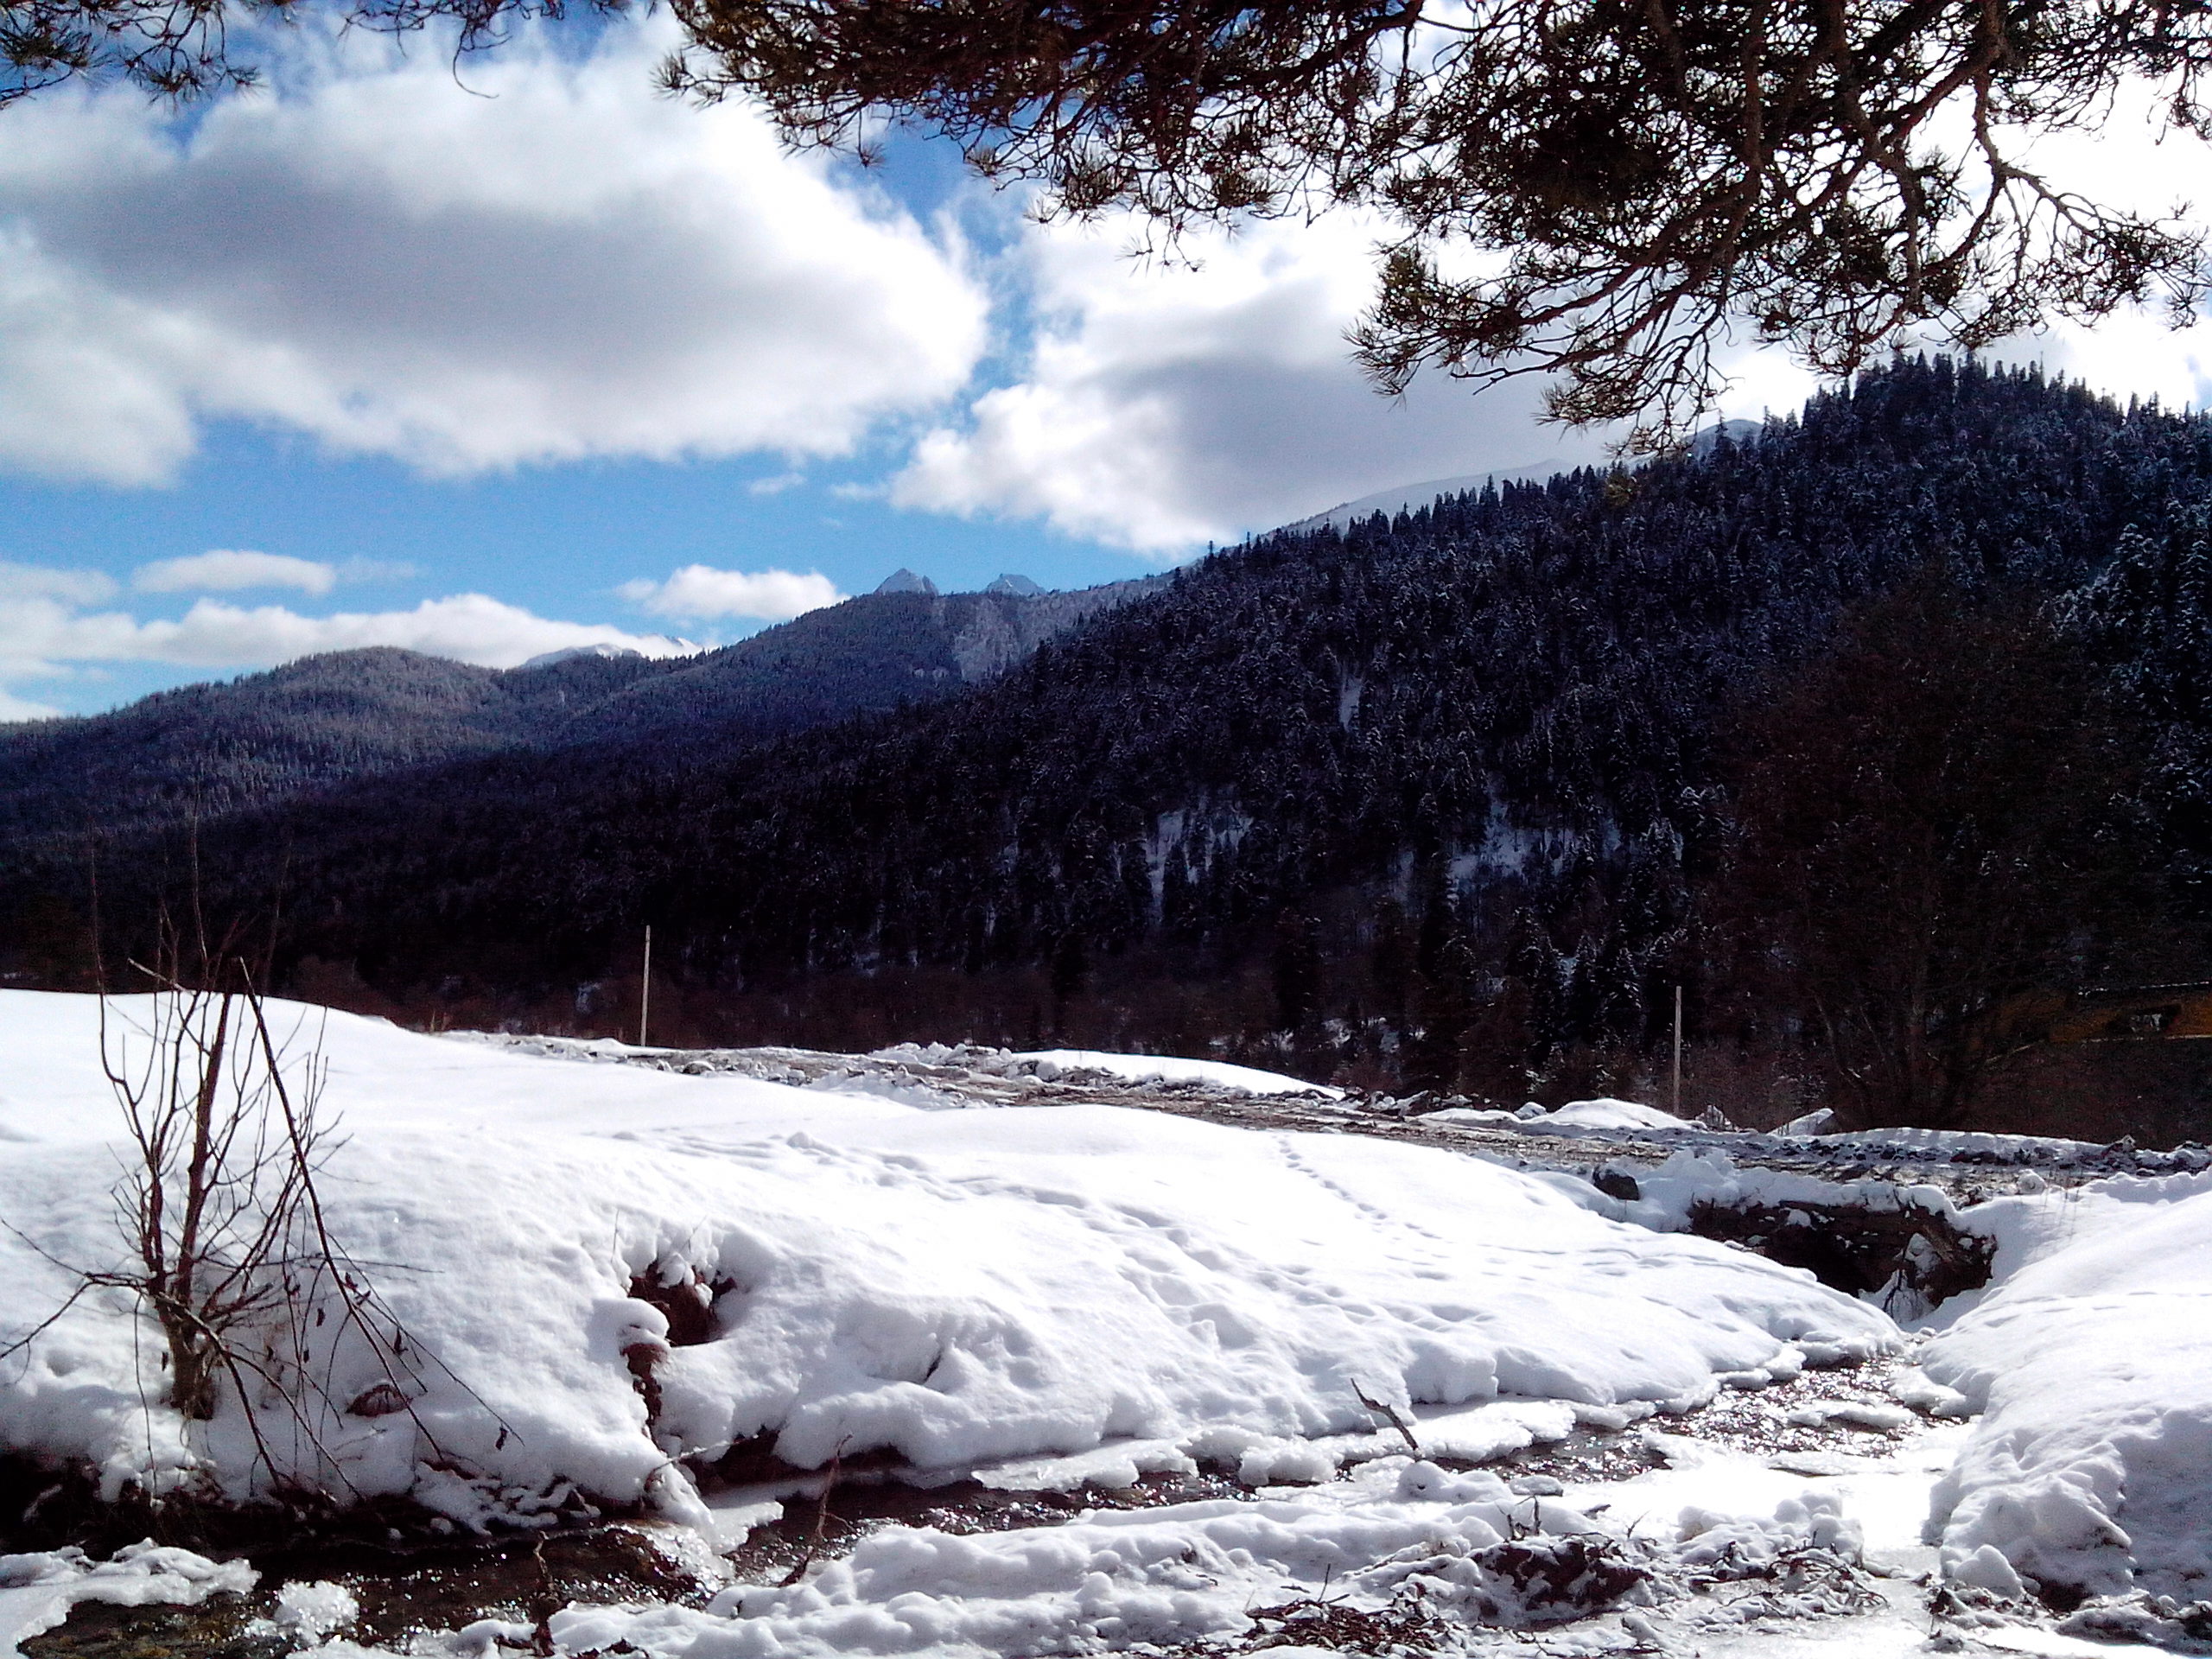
(701, 591)
(468, 627)
(226, 569)
(2132, 353)
(23, 582)
(44, 636)
(14, 708)
(1163, 405)
(554, 263)
(550, 264)
(1160, 407)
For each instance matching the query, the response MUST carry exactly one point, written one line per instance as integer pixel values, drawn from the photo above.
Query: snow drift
(945, 1288)
(2090, 1358)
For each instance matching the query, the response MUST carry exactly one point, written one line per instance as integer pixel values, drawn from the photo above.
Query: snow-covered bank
(1064, 1292)
(950, 1288)
(2090, 1359)
(1402, 1550)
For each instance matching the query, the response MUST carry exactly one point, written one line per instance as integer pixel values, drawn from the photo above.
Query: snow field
(1043, 1297)
(948, 1289)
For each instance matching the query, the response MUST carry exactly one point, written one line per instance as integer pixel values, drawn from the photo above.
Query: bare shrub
(214, 1206)
(227, 1246)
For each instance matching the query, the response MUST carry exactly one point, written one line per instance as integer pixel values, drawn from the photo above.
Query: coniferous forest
(1885, 733)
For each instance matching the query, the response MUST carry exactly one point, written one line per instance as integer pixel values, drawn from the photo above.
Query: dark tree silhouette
(2147, 617)
(1934, 826)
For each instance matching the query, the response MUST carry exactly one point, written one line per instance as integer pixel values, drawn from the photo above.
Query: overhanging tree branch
(1636, 184)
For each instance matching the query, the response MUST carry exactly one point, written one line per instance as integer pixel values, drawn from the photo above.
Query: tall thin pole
(646, 997)
(1677, 1052)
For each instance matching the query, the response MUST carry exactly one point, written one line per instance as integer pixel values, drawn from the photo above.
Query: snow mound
(307, 1613)
(2091, 1362)
(1164, 1068)
(1609, 1114)
(943, 1288)
(1476, 1117)
(1953, 1143)
(1576, 1117)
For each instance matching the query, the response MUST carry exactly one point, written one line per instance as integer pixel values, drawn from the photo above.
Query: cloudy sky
(523, 356)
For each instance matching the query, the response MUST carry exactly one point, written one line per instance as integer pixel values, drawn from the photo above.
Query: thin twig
(1383, 1408)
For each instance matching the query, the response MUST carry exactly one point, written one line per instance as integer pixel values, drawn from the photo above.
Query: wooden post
(1678, 1051)
(645, 992)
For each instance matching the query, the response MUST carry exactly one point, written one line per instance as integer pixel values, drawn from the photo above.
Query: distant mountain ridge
(205, 752)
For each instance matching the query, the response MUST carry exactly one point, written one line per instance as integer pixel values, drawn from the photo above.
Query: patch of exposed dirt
(216, 1629)
(1756, 1422)
(1856, 1249)
(811, 1527)
(1406, 1626)
(403, 1591)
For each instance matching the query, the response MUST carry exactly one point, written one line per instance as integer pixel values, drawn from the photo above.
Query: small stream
(410, 1588)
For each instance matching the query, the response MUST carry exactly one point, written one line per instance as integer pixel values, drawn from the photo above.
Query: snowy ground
(1972, 1165)
(1050, 1294)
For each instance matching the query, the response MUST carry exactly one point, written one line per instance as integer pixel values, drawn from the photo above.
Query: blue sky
(531, 357)
(557, 541)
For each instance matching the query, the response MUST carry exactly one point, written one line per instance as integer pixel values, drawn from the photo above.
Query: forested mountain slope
(211, 750)
(206, 752)
(1429, 796)
(868, 654)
